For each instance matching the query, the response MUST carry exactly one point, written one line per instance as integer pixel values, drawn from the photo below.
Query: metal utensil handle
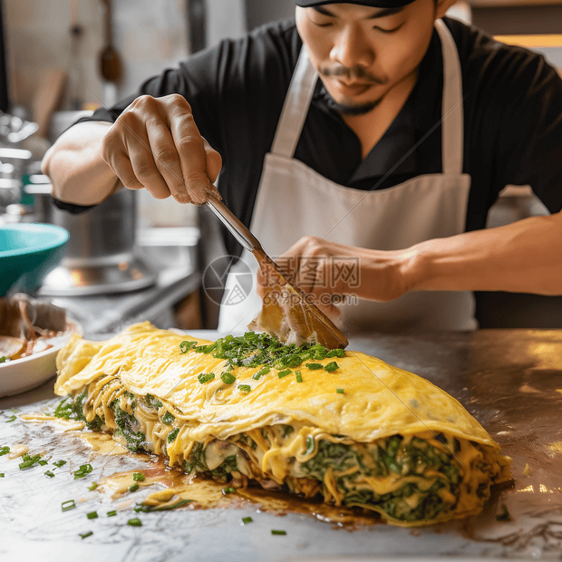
(233, 223)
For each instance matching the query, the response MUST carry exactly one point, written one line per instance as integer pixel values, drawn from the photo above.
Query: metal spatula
(287, 312)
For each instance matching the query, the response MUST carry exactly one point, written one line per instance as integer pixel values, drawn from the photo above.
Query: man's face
(361, 52)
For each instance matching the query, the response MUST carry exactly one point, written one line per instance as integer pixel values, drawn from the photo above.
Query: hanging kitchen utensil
(287, 312)
(110, 63)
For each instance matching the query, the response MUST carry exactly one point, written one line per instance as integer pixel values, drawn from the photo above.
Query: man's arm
(76, 168)
(523, 257)
(154, 144)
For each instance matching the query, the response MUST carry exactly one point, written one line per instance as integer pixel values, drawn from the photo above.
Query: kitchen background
(52, 54)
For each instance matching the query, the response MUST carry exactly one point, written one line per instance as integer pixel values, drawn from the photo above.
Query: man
(371, 137)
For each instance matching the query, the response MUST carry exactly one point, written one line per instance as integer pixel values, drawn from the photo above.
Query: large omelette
(304, 419)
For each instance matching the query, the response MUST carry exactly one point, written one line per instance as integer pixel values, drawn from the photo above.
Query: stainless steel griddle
(507, 378)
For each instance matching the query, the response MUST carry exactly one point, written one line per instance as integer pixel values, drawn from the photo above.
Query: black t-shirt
(512, 116)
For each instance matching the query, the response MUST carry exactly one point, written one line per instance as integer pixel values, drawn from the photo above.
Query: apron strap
(452, 126)
(295, 107)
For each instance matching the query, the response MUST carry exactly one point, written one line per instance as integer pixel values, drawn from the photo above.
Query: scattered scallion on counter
(85, 535)
(138, 477)
(504, 515)
(277, 532)
(84, 470)
(92, 515)
(228, 491)
(136, 522)
(2, 359)
(13, 418)
(1, 475)
(205, 377)
(92, 487)
(112, 513)
(42, 462)
(68, 505)
(331, 367)
(134, 487)
(244, 387)
(49, 474)
(14, 410)
(246, 520)
(58, 464)
(29, 461)
(4, 451)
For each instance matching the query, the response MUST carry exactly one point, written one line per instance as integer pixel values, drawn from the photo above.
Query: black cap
(372, 3)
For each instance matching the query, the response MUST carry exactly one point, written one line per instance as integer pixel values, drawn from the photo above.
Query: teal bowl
(28, 252)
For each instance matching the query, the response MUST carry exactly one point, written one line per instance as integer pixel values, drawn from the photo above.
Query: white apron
(294, 201)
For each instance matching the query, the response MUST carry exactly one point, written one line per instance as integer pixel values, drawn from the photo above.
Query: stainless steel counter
(508, 379)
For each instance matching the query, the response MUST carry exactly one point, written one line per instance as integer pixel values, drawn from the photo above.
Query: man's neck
(371, 126)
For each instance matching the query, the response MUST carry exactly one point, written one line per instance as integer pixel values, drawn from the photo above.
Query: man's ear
(442, 7)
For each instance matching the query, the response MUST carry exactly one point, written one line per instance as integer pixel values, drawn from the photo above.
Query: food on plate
(311, 421)
(29, 326)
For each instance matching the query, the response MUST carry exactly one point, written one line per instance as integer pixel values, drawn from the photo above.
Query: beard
(357, 73)
(352, 109)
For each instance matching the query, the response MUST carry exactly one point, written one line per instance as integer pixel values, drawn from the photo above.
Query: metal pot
(101, 256)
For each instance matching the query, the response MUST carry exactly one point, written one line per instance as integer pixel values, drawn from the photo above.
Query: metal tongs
(293, 315)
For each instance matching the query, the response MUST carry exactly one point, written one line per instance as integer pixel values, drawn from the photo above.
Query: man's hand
(328, 272)
(155, 144)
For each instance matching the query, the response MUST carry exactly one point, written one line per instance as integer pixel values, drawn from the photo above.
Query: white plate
(24, 374)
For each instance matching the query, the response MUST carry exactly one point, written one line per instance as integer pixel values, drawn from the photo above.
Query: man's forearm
(74, 164)
(523, 257)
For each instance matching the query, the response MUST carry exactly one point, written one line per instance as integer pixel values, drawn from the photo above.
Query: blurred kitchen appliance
(101, 255)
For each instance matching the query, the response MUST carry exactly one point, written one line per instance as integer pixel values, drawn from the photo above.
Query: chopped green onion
(299, 376)
(92, 515)
(246, 520)
(339, 390)
(244, 387)
(13, 418)
(4, 451)
(136, 522)
(149, 508)
(49, 474)
(68, 505)
(335, 353)
(1, 475)
(83, 471)
(173, 434)
(42, 462)
(138, 477)
(205, 377)
(314, 366)
(134, 487)
(29, 461)
(284, 373)
(228, 378)
(331, 367)
(14, 410)
(93, 487)
(112, 513)
(84, 535)
(277, 532)
(59, 463)
(3, 359)
(186, 346)
(263, 371)
(168, 418)
(228, 491)
(309, 445)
